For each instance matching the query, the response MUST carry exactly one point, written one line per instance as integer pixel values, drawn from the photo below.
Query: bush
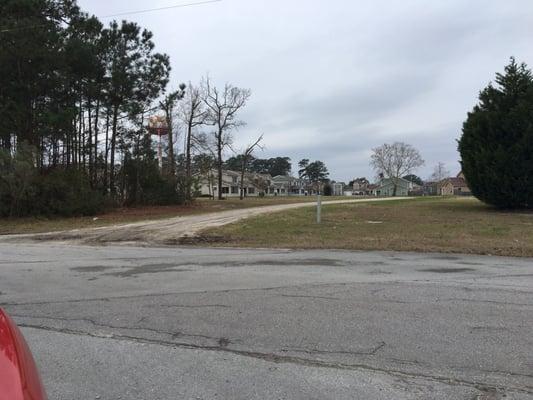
(143, 184)
(67, 192)
(26, 192)
(17, 180)
(497, 143)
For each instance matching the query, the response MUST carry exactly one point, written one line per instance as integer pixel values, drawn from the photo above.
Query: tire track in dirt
(169, 231)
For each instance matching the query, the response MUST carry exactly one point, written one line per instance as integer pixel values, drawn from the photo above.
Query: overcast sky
(331, 79)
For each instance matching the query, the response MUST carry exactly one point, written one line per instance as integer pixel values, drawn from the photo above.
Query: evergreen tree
(414, 179)
(273, 166)
(496, 146)
(72, 95)
(235, 163)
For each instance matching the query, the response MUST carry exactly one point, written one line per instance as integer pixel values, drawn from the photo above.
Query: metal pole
(318, 209)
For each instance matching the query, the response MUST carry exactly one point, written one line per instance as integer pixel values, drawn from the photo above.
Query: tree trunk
(138, 164)
(106, 151)
(242, 180)
(113, 145)
(219, 164)
(95, 166)
(188, 174)
(90, 138)
(171, 160)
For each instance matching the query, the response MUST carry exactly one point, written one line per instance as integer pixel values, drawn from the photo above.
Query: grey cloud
(331, 80)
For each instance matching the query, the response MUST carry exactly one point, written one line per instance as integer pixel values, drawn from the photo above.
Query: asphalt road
(177, 323)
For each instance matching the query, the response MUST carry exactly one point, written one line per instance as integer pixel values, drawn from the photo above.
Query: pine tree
(497, 143)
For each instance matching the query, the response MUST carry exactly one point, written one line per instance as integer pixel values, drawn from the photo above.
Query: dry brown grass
(135, 214)
(452, 225)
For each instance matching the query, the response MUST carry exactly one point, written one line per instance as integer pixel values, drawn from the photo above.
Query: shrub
(17, 179)
(496, 146)
(26, 192)
(143, 184)
(67, 192)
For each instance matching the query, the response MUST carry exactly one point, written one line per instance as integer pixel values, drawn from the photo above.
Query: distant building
(285, 185)
(372, 189)
(254, 184)
(431, 188)
(360, 187)
(386, 187)
(338, 188)
(455, 186)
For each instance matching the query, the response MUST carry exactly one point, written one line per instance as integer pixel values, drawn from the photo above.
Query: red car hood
(19, 378)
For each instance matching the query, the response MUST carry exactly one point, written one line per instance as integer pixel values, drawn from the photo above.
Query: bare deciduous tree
(167, 105)
(440, 172)
(223, 106)
(395, 160)
(193, 114)
(245, 158)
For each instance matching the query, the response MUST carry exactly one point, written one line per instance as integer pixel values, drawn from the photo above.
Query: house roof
(390, 181)
(284, 178)
(258, 175)
(456, 182)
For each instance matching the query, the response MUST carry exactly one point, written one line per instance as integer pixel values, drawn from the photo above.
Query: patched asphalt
(177, 323)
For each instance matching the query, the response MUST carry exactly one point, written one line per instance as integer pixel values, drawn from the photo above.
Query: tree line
(75, 102)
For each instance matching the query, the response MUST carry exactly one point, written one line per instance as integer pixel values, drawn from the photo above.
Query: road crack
(370, 352)
(173, 335)
(310, 297)
(282, 359)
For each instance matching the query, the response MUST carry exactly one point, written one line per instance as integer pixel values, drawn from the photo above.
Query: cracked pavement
(123, 322)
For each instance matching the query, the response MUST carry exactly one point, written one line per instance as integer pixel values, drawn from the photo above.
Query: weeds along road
(167, 231)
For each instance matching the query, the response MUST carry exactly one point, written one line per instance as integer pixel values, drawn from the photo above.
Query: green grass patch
(436, 224)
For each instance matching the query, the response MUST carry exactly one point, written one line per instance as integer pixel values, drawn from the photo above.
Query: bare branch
(222, 108)
(395, 160)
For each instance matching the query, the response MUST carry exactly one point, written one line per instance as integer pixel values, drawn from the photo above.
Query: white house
(338, 188)
(285, 185)
(254, 184)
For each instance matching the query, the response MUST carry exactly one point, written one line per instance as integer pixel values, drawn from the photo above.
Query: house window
(251, 190)
(225, 190)
(234, 178)
(234, 189)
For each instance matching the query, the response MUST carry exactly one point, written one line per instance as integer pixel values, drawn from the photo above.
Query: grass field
(126, 215)
(450, 225)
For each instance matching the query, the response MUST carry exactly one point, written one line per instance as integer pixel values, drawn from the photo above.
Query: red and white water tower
(157, 125)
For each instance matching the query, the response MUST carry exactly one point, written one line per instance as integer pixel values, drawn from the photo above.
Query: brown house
(455, 186)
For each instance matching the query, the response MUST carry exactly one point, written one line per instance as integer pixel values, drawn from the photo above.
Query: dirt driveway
(166, 232)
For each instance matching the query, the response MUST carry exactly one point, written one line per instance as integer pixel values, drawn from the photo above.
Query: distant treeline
(273, 166)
